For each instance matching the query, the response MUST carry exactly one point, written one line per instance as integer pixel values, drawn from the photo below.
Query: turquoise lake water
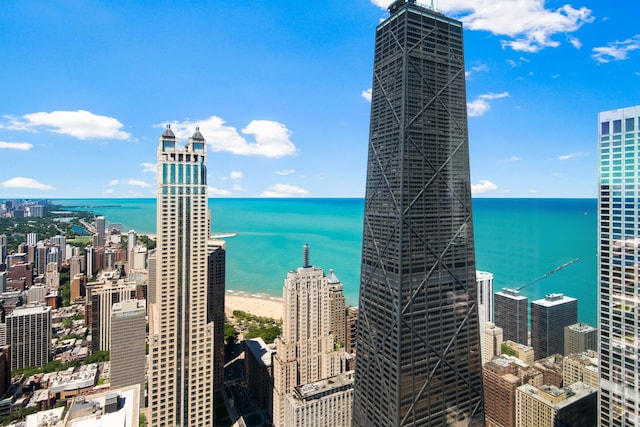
(517, 240)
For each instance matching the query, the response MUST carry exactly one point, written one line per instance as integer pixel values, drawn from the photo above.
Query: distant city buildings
(618, 261)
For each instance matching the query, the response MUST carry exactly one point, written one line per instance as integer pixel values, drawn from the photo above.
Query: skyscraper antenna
(305, 255)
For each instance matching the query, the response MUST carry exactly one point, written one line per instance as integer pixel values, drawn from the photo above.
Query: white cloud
(218, 192)
(480, 105)
(533, 191)
(272, 139)
(286, 172)
(616, 51)
(483, 186)
(80, 124)
(512, 159)
(478, 68)
(236, 175)
(149, 167)
(528, 23)
(139, 183)
(284, 190)
(366, 94)
(238, 187)
(24, 146)
(29, 183)
(113, 182)
(572, 155)
(108, 191)
(575, 42)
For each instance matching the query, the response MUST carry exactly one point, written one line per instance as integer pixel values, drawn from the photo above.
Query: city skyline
(282, 101)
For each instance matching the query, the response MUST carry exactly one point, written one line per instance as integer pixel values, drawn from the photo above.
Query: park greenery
(54, 223)
(253, 326)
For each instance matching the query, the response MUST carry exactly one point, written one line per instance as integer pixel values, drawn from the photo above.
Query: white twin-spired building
(619, 266)
(181, 354)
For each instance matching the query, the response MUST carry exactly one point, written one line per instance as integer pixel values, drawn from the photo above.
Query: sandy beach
(260, 305)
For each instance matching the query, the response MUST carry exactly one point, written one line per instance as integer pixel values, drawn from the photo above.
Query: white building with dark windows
(619, 266)
(29, 335)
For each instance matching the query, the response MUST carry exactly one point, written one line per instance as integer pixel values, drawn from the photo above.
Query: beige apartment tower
(305, 352)
(180, 337)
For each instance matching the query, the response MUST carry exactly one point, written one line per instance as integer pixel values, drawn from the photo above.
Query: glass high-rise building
(181, 358)
(619, 266)
(418, 344)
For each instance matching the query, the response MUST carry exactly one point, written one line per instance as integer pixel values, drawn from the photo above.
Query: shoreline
(257, 304)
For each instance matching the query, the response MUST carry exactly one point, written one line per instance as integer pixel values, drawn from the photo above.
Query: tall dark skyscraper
(511, 314)
(418, 345)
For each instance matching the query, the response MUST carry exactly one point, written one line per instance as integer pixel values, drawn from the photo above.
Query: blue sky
(279, 89)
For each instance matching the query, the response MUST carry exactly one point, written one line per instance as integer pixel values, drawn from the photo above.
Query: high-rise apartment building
(580, 367)
(52, 277)
(492, 338)
(180, 337)
(484, 293)
(305, 352)
(100, 299)
(29, 335)
(351, 326)
(337, 309)
(551, 406)
(100, 231)
(484, 282)
(216, 262)
(3, 248)
(579, 338)
(127, 355)
(31, 239)
(500, 383)
(618, 266)
(511, 314)
(418, 342)
(132, 240)
(549, 316)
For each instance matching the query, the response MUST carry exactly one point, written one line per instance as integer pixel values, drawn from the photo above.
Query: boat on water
(223, 235)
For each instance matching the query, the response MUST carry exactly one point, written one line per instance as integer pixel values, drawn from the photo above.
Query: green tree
(506, 349)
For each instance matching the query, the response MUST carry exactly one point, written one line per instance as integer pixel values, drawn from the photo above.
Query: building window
(617, 126)
(629, 125)
(604, 128)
